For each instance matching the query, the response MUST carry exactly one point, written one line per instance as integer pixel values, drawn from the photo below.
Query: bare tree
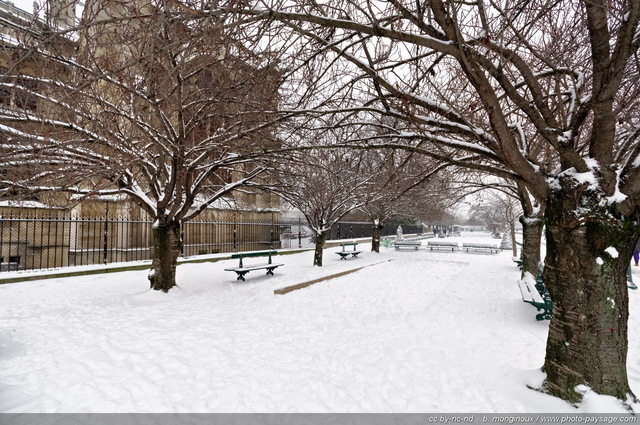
(325, 185)
(502, 208)
(169, 114)
(406, 185)
(539, 93)
(532, 221)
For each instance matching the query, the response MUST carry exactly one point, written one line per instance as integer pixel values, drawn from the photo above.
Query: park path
(418, 332)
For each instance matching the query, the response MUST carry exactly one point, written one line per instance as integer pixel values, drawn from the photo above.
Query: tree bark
(375, 238)
(588, 251)
(531, 240)
(317, 256)
(514, 246)
(166, 249)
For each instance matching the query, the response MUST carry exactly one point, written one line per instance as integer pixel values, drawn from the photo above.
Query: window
(17, 91)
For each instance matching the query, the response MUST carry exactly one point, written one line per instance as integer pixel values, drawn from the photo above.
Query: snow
(411, 331)
(613, 253)
(617, 196)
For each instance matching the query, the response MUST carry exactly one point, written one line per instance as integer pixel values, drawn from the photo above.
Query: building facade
(22, 94)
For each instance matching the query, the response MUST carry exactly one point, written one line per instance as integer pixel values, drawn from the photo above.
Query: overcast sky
(26, 5)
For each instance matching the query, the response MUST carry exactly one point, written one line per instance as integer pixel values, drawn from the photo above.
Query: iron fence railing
(29, 243)
(356, 229)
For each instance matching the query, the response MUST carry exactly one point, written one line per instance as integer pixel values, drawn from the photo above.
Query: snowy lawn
(414, 331)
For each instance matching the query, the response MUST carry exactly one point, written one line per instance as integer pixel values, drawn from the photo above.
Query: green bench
(480, 247)
(243, 269)
(407, 244)
(442, 245)
(345, 253)
(535, 293)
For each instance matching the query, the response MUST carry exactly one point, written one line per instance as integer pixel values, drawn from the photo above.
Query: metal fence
(353, 229)
(28, 243)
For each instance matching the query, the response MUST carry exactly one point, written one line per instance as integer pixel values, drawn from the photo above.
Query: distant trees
(497, 210)
(170, 114)
(405, 185)
(325, 185)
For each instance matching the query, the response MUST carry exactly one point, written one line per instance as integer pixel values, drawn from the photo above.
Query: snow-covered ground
(413, 331)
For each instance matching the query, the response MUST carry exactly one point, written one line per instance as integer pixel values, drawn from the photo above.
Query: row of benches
(532, 289)
(453, 246)
(270, 266)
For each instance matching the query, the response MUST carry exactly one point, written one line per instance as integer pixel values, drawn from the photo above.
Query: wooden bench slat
(529, 291)
(437, 245)
(407, 244)
(344, 254)
(253, 254)
(477, 246)
(254, 267)
(534, 293)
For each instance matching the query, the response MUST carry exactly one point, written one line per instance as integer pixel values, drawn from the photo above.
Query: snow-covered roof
(26, 204)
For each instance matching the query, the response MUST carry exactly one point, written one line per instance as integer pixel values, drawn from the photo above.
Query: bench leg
(544, 315)
(241, 275)
(270, 270)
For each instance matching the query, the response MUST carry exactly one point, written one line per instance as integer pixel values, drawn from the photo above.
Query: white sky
(26, 5)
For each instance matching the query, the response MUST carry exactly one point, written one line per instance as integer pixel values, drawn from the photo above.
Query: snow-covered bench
(480, 247)
(407, 244)
(443, 245)
(242, 269)
(345, 253)
(534, 292)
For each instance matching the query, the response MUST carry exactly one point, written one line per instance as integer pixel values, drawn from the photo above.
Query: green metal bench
(535, 293)
(242, 270)
(345, 253)
(480, 247)
(407, 244)
(442, 245)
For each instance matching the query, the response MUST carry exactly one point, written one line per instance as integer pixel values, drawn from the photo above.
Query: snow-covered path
(415, 331)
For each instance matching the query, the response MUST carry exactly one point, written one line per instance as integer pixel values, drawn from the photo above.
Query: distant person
(630, 283)
(636, 252)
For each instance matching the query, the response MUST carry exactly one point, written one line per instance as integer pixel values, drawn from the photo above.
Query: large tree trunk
(531, 241)
(588, 251)
(166, 249)
(320, 240)
(375, 237)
